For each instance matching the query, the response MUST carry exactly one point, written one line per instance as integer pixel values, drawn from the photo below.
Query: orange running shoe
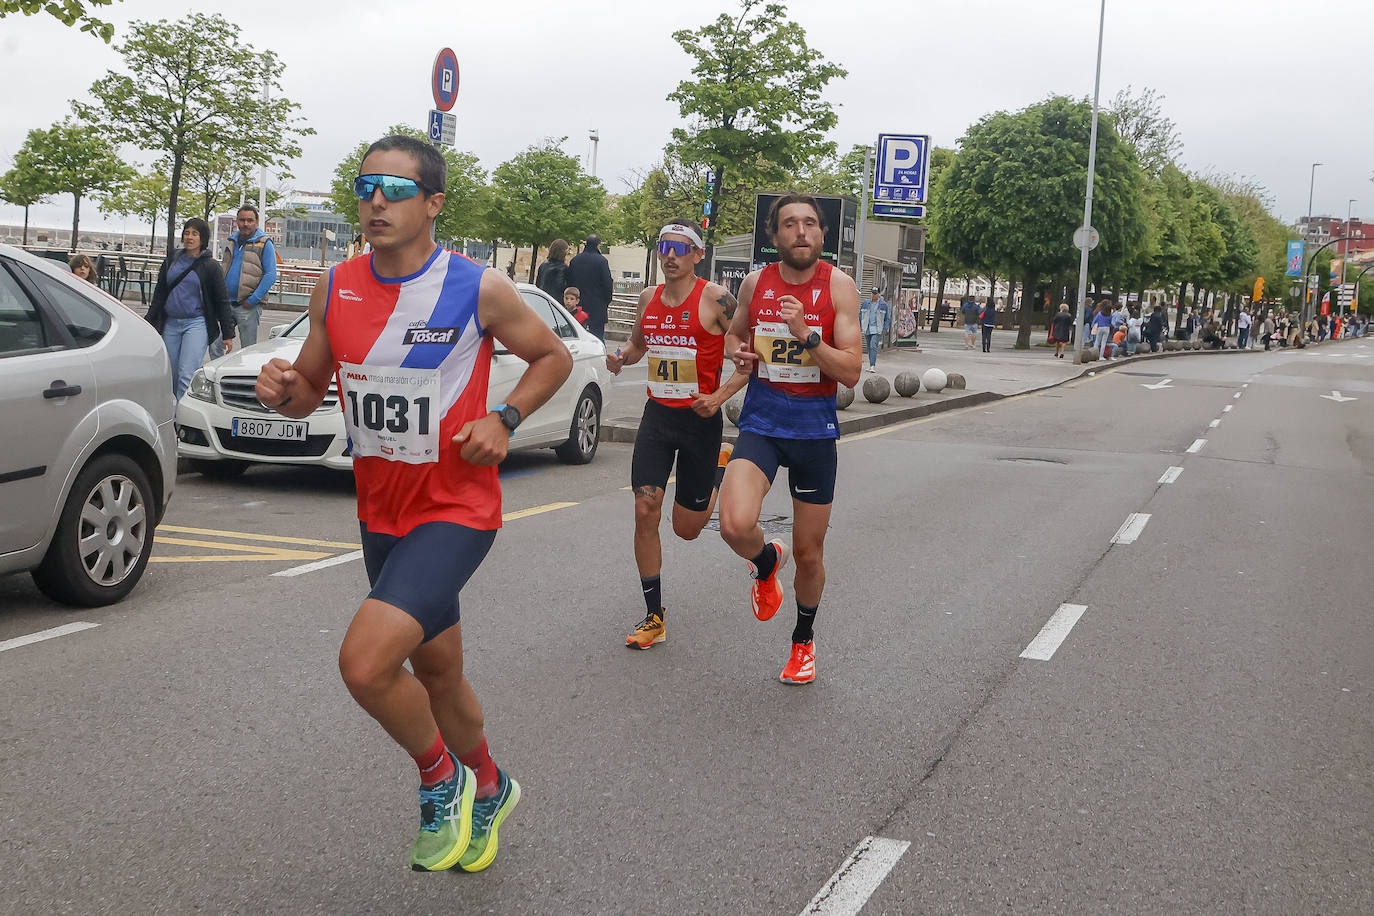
(765, 595)
(649, 631)
(801, 667)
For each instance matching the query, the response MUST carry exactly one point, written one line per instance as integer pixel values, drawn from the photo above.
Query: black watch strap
(812, 341)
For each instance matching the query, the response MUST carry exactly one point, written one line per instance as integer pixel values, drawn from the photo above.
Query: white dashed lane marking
(1131, 528)
(1171, 475)
(1196, 446)
(1054, 632)
(64, 630)
(855, 881)
(1214, 424)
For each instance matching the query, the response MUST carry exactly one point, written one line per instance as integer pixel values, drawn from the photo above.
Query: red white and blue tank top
(412, 364)
(789, 397)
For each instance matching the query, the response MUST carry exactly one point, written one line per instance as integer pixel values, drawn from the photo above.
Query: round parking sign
(445, 79)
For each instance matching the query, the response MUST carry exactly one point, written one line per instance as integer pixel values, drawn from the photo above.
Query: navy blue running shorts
(422, 572)
(810, 463)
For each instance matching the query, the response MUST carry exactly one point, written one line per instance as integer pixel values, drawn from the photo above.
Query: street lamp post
(1088, 196)
(595, 137)
(1345, 249)
(1307, 227)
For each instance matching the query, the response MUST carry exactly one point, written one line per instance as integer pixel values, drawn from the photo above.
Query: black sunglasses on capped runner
(674, 247)
(393, 187)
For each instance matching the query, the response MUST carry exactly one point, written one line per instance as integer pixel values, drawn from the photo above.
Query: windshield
(301, 329)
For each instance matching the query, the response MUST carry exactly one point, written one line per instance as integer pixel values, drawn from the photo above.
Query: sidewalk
(1002, 373)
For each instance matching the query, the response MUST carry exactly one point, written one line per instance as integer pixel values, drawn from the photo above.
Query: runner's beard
(795, 261)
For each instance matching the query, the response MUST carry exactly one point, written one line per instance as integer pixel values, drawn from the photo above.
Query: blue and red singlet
(684, 357)
(788, 396)
(412, 363)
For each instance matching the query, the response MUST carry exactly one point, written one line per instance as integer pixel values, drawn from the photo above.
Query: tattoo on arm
(728, 304)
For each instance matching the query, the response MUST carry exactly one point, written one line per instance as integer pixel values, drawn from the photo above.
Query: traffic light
(1259, 290)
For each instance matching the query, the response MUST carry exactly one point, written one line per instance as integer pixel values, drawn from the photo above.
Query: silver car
(87, 442)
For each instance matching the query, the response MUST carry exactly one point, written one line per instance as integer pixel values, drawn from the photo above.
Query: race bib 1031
(391, 412)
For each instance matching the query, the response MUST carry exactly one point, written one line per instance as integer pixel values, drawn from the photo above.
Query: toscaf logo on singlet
(430, 336)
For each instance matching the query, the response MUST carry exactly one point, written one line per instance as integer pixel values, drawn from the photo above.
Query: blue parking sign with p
(902, 167)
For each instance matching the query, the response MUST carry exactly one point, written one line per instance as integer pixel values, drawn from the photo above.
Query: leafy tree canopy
(67, 12)
(1140, 123)
(1013, 195)
(754, 105)
(542, 194)
(195, 85)
(74, 159)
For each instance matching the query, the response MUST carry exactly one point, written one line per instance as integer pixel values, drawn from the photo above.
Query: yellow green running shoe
(487, 815)
(445, 821)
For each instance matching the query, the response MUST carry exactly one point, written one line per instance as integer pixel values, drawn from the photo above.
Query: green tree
(210, 181)
(542, 194)
(1140, 123)
(753, 106)
(74, 159)
(67, 12)
(23, 186)
(195, 85)
(142, 198)
(467, 198)
(1013, 195)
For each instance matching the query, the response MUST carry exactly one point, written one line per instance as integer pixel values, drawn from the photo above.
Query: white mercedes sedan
(222, 428)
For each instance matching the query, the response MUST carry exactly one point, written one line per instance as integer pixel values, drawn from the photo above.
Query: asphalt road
(1200, 741)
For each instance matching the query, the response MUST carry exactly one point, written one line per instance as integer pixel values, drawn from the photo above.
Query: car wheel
(219, 470)
(586, 428)
(104, 535)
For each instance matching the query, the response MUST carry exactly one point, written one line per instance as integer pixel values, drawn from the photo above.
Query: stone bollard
(934, 379)
(733, 407)
(957, 381)
(844, 396)
(907, 383)
(876, 389)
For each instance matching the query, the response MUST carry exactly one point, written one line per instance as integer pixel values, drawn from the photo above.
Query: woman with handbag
(191, 304)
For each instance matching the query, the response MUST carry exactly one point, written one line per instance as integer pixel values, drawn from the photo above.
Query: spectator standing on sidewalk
(1102, 328)
(250, 269)
(190, 304)
(1132, 331)
(968, 309)
(875, 315)
(1243, 322)
(1154, 327)
(590, 272)
(1060, 328)
(553, 273)
(1267, 330)
(988, 318)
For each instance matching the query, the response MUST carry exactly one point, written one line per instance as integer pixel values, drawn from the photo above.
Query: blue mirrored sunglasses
(393, 187)
(671, 246)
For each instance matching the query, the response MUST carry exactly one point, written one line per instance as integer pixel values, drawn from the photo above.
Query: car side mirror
(277, 330)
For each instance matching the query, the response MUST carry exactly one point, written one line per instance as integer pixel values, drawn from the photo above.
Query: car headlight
(201, 387)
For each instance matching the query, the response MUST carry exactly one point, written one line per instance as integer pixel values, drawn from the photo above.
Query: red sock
(479, 761)
(435, 764)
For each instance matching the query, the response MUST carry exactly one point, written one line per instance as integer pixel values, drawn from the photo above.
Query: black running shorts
(423, 572)
(668, 432)
(810, 463)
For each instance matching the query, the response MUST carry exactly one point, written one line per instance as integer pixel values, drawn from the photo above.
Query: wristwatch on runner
(509, 415)
(812, 341)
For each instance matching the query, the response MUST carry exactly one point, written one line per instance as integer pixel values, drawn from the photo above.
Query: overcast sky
(1242, 78)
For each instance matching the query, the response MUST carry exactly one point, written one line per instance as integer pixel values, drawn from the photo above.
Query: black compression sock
(653, 594)
(806, 618)
(765, 562)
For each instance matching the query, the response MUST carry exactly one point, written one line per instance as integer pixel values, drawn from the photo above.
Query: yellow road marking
(264, 551)
(250, 536)
(537, 510)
